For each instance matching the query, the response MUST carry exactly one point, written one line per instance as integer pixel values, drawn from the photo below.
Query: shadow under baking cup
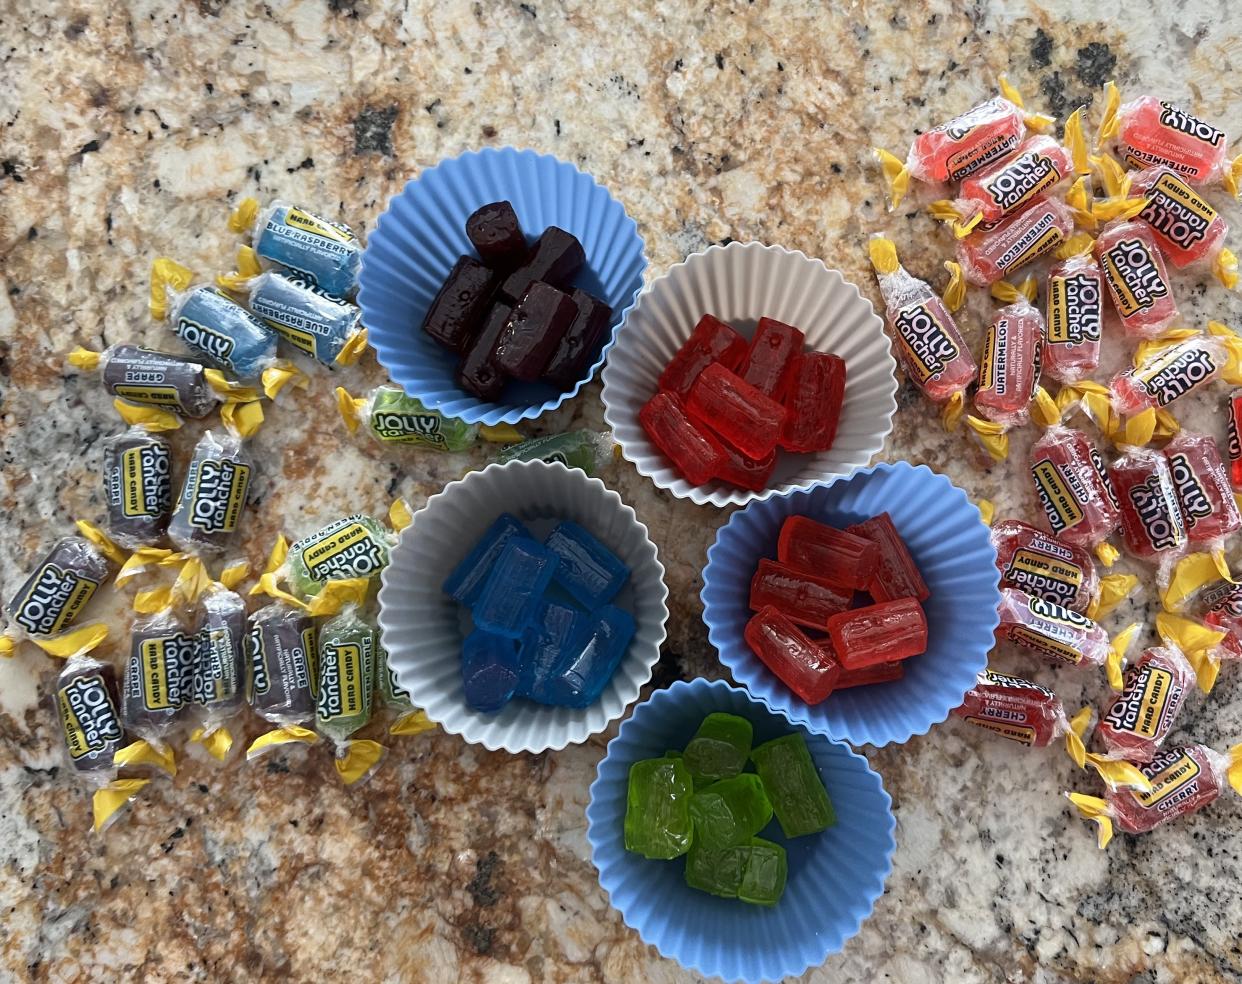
(419, 237)
(422, 628)
(949, 542)
(741, 283)
(834, 877)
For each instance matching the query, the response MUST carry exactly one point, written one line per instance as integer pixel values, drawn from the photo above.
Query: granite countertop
(129, 131)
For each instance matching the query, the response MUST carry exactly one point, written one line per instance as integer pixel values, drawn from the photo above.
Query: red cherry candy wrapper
(1183, 781)
(1151, 515)
(1074, 490)
(1043, 566)
(1060, 636)
(1202, 485)
(1137, 721)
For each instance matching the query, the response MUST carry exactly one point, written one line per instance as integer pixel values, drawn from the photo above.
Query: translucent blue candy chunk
(584, 672)
(558, 629)
(589, 571)
(489, 670)
(514, 588)
(466, 582)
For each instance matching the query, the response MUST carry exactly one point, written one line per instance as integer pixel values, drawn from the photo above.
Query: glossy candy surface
(1183, 781)
(86, 705)
(157, 379)
(580, 341)
(1153, 132)
(588, 570)
(347, 660)
(213, 496)
(711, 341)
(929, 345)
(228, 335)
(309, 319)
(803, 599)
(1043, 566)
(533, 332)
(1079, 504)
(584, 671)
(814, 394)
(807, 669)
(137, 480)
(744, 417)
(558, 629)
(282, 650)
(1137, 279)
(769, 363)
(454, 317)
(554, 259)
(657, 812)
(515, 585)
(326, 252)
(693, 450)
(489, 670)
(159, 675)
(880, 633)
(1202, 486)
(897, 575)
(719, 749)
(479, 373)
(1139, 718)
(798, 796)
(730, 811)
(744, 472)
(1151, 516)
(496, 234)
(466, 582)
(1038, 166)
(836, 556)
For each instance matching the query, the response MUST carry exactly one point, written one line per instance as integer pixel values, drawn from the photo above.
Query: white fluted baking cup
(741, 283)
(422, 628)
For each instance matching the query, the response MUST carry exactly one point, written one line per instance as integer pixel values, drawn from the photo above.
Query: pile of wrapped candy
(812, 586)
(701, 802)
(1114, 220)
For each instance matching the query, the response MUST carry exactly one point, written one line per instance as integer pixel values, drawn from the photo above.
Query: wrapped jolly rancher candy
(282, 649)
(211, 322)
(1137, 278)
(391, 417)
(1041, 164)
(1178, 363)
(989, 255)
(347, 661)
(929, 345)
(1070, 481)
(1208, 506)
(1149, 132)
(585, 449)
(1151, 515)
(308, 318)
(143, 377)
(214, 495)
(1075, 312)
(1032, 715)
(1183, 781)
(1140, 717)
(220, 672)
(137, 481)
(326, 253)
(962, 146)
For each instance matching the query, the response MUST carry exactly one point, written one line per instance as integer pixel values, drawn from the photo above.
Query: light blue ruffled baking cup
(834, 880)
(949, 542)
(421, 235)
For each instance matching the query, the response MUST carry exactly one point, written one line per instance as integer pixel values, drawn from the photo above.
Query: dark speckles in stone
(1041, 48)
(346, 8)
(1095, 64)
(9, 169)
(528, 10)
(480, 887)
(373, 129)
(719, 60)
(1053, 88)
(489, 131)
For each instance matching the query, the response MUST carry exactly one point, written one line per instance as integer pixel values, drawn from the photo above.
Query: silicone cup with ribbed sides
(834, 878)
(950, 544)
(422, 233)
(741, 283)
(422, 628)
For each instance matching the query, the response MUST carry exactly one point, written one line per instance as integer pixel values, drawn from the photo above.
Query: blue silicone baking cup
(422, 233)
(834, 880)
(949, 542)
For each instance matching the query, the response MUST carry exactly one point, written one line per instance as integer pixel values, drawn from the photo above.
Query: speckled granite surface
(128, 130)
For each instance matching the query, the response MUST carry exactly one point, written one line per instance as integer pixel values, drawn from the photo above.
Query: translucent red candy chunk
(744, 472)
(814, 395)
(695, 453)
(1013, 708)
(770, 360)
(743, 416)
(878, 673)
(804, 667)
(1140, 717)
(1137, 279)
(891, 630)
(801, 598)
(1041, 565)
(897, 575)
(829, 554)
(711, 341)
(1151, 518)
(1075, 316)
(1183, 781)
(1072, 487)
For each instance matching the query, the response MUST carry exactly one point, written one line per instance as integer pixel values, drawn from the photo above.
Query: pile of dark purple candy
(513, 313)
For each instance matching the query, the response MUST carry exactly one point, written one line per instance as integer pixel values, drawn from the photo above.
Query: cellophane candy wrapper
(1137, 721)
(1186, 225)
(1075, 312)
(87, 705)
(1179, 362)
(1150, 132)
(144, 377)
(1209, 508)
(137, 484)
(1079, 503)
(326, 253)
(219, 687)
(964, 145)
(347, 660)
(1137, 278)
(1183, 781)
(391, 417)
(585, 449)
(310, 319)
(1060, 636)
(929, 345)
(989, 255)
(1042, 164)
(158, 687)
(1152, 526)
(214, 496)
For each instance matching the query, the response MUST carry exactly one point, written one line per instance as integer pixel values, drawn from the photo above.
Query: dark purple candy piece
(494, 231)
(455, 314)
(536, 326)
(581, 341)
(478, 372)
(554, 259)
